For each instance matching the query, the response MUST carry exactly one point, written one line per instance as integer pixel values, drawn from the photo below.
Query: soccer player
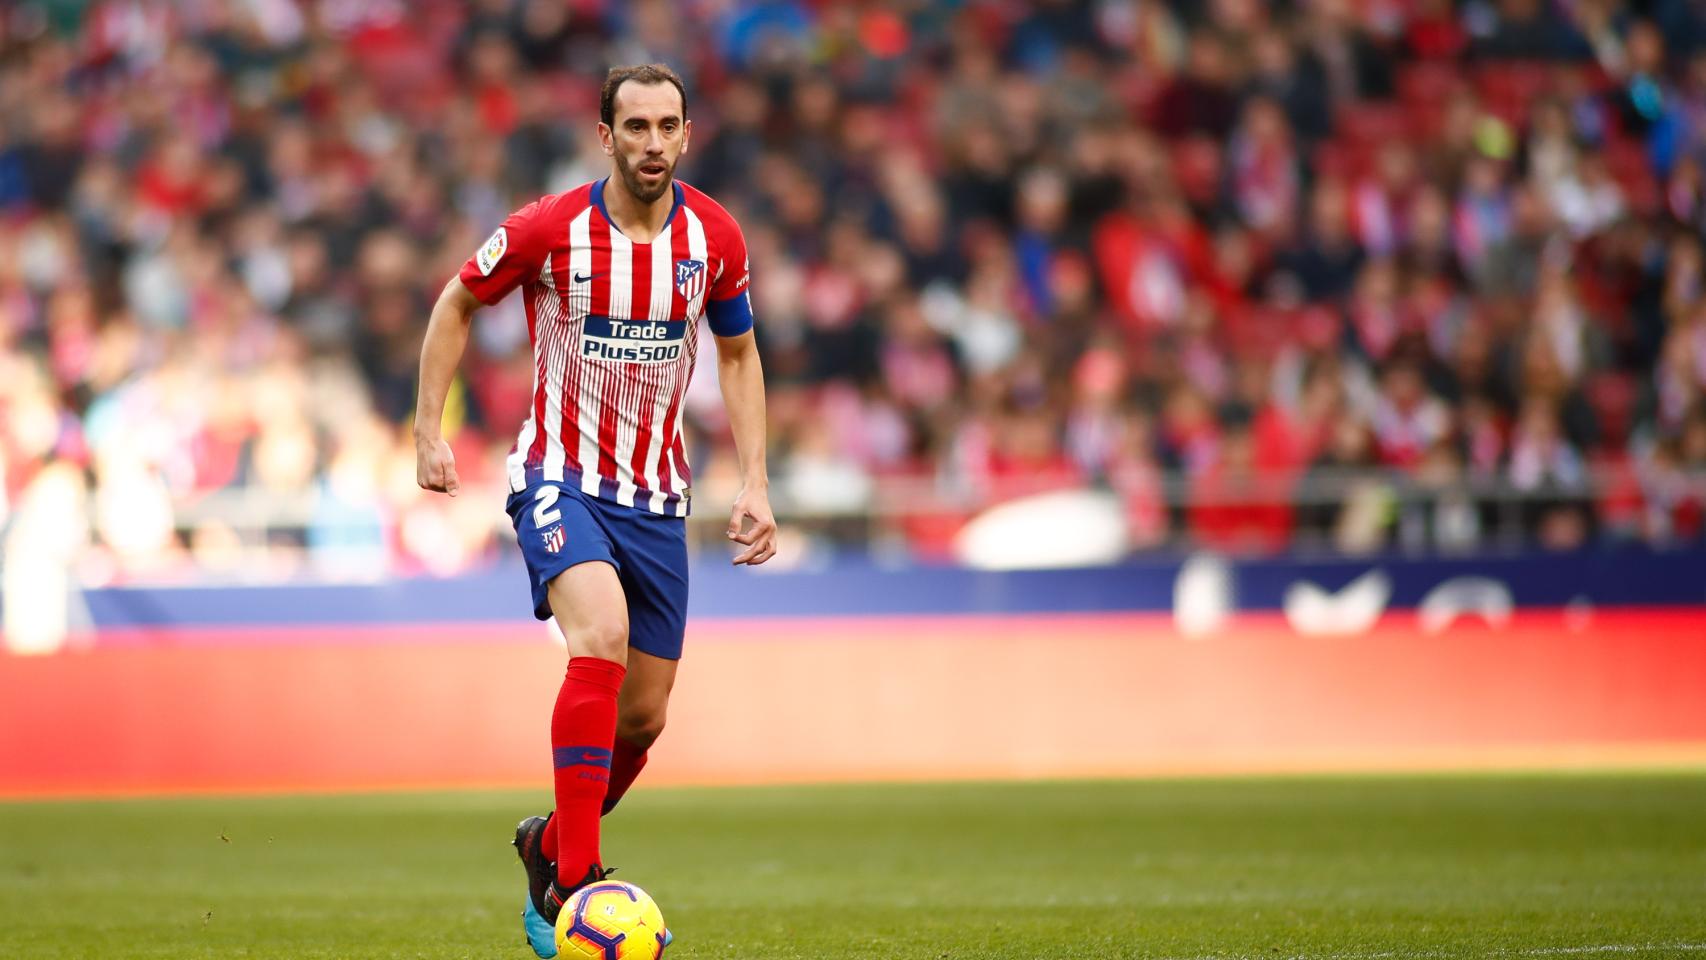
(616, 275)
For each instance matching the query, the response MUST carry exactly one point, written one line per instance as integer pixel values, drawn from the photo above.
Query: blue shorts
(558, 526)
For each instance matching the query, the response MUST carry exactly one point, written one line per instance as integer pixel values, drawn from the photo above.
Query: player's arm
(514, 252)
(728, 309)
(741, 376)
(446, 338)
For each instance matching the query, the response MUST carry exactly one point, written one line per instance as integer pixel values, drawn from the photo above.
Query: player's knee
(605, 639)
(641, 724)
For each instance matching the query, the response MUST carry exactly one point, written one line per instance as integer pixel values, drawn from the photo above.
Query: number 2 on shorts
(545, 511)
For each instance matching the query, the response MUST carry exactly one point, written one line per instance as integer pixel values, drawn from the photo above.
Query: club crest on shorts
(690, 278)
(553, 539)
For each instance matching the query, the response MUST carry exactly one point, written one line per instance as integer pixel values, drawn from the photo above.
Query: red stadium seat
(1372, 123)
(1630, 166)
(1421, 84)
(1332, 159)
(1509, 90)
(1515, 80)
(1612, 396)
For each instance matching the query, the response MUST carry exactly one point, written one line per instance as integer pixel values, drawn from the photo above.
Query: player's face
(649, 137)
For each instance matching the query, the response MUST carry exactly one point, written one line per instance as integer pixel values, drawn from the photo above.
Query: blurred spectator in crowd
(1404, 261)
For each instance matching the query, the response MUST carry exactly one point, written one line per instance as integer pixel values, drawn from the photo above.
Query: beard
(641, 191)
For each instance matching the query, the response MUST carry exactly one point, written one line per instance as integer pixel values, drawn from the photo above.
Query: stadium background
(1341, 364)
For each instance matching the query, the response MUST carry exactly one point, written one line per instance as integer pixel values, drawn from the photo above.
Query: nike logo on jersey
(591, 276)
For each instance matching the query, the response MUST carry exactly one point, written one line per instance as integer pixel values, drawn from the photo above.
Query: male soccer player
(616, 275)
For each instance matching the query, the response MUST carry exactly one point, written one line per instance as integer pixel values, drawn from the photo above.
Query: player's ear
(607, 138)
(686, 134)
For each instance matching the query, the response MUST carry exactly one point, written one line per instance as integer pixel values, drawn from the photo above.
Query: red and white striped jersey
(615, 326)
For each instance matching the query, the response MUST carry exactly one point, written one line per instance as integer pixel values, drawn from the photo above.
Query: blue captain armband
(731, 317)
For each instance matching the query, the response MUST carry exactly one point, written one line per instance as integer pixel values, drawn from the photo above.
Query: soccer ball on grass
(611, 920)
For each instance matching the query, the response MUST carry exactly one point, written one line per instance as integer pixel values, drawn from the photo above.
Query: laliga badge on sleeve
(492, 252)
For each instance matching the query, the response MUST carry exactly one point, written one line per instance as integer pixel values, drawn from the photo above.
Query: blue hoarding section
(1605, 578)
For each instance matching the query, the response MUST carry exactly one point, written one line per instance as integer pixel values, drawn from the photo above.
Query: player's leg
(641, 710)
(652, 551)
(640, 714)
(572, 572)
(640, 718)
(653, 572)
(592, 611)
(588, 603)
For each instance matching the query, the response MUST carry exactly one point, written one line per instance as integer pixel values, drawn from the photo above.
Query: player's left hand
(760, 541)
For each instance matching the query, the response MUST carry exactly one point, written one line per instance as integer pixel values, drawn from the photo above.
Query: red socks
(583, 730)
(625, 765)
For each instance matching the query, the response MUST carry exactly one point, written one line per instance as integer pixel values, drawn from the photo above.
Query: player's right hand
(435, 466)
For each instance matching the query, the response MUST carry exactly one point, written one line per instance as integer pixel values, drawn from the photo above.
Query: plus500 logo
(632, 341)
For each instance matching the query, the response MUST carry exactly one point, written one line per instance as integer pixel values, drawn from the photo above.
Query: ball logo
(493, 251)
(690, 278)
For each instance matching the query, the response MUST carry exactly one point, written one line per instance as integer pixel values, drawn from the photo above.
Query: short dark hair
(647, 74)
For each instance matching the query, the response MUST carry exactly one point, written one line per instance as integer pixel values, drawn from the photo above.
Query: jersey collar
(598, 201)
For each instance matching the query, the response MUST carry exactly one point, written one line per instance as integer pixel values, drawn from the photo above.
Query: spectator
(1347, 503)
(1200, 99)
(1235, 508)
(993, 250)
(1526, 30)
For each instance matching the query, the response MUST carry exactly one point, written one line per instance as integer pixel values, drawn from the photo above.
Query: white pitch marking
(1603, 948)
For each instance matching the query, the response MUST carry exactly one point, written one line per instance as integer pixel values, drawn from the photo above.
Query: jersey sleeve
(728, 305)
(512, 255)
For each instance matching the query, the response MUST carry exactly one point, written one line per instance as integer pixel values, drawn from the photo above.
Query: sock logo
(580, 757)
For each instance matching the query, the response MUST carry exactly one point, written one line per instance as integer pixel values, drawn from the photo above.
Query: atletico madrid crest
(690, 278)
(553, 539)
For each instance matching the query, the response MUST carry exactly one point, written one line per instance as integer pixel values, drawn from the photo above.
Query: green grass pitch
(1319, 867)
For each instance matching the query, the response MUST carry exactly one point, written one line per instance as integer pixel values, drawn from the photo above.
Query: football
(611, 920)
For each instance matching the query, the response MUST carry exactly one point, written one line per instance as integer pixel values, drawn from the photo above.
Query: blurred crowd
(1348, 274)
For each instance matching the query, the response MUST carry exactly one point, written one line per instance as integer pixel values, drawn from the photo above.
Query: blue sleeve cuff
(731, 317)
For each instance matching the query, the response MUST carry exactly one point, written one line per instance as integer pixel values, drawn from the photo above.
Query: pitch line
(1603, 948)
